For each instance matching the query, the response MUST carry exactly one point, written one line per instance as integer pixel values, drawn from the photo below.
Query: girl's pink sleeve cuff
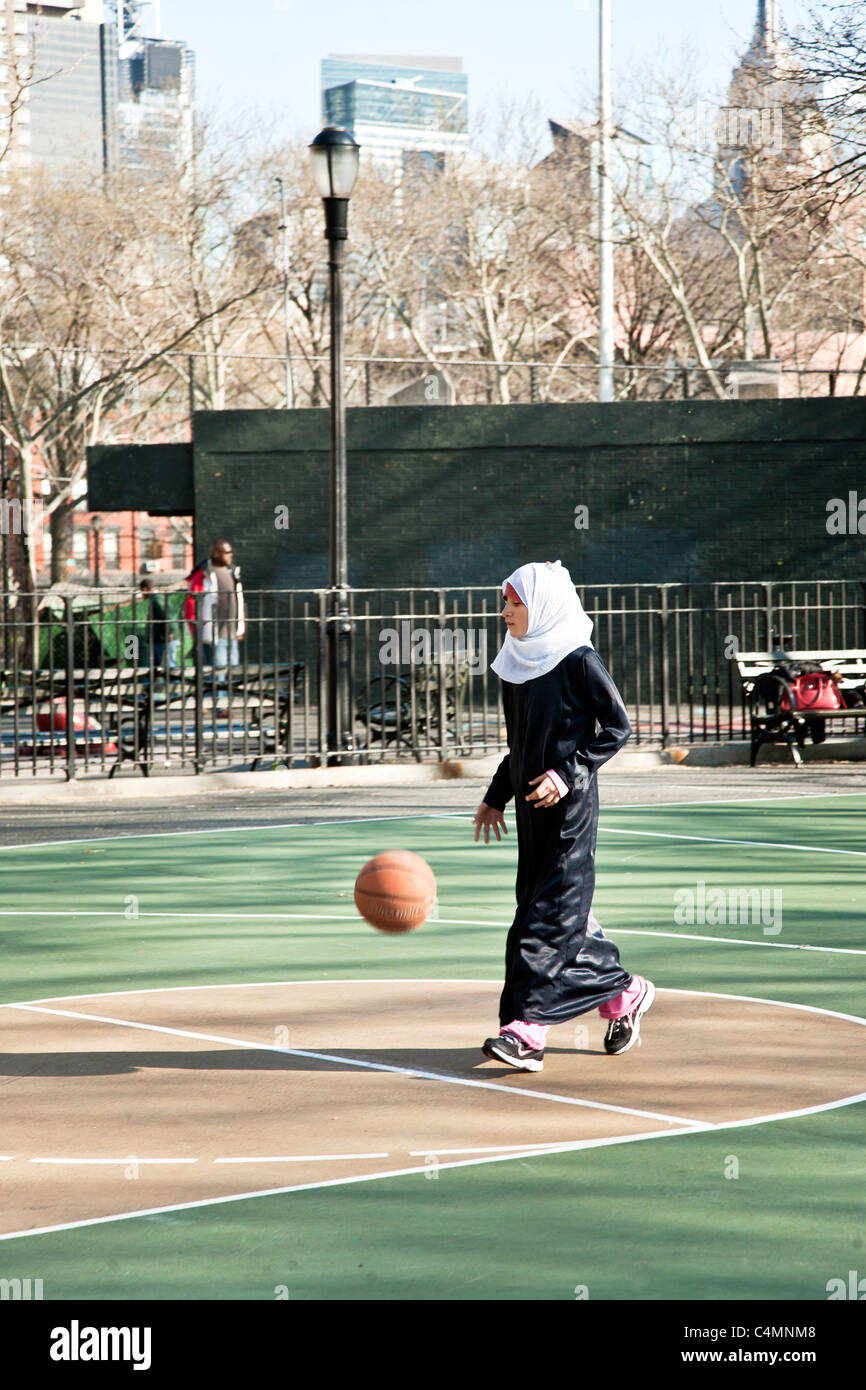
(558, 782)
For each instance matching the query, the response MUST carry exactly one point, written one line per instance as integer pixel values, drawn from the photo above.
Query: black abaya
(558, 963)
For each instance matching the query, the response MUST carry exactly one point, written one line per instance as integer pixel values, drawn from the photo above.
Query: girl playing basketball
(564, 718)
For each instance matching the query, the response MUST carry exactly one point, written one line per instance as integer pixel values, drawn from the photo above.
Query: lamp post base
(341, 750)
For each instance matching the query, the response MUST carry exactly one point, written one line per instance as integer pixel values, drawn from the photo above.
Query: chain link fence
(179, 384)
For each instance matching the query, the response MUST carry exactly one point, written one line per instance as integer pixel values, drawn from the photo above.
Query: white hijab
(557, 623)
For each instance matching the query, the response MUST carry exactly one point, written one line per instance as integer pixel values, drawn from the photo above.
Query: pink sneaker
(623, 1032)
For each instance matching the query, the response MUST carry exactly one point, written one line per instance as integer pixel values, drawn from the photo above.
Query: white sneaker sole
(512, 1061)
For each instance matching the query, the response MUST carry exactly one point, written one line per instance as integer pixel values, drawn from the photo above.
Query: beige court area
(103, 1114)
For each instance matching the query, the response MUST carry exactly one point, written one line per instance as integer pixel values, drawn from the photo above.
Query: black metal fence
(93, 683)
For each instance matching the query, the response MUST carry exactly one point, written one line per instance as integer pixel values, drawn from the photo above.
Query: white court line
(733, 800)
(30, 1006)
(627, 931)
(647, 931)
(131, 1158)
(564, 1147)
(412, 980)
(718, 840)
(234, 829)
(574, 1145)
(613, 808)
(239, 984)
(441, 921)
(356, 1062)
(735, 941)
(184, 916)
(433, 1152)
(328, 1182)
(300, 1158)
(424, 815)
(797, 1114)
(775, 1003)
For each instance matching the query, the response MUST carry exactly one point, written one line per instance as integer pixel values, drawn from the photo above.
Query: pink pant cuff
(615, 1008)
(533, 1034)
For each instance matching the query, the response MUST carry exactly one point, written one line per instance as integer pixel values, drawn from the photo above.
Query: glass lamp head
(334, 159)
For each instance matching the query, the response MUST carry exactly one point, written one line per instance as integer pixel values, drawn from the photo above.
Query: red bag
(814, 691)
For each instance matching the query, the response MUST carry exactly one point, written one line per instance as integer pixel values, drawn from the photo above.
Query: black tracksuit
(558, 964)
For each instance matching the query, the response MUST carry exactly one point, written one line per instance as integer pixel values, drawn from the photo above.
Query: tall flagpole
(605, 210)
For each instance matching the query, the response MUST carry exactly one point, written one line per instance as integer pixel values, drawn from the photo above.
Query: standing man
(221, 610)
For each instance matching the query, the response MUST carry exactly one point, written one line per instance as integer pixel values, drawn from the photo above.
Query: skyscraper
(66, 62)
(98, 94)
(154, 109)
(400, 109)
(156, 79)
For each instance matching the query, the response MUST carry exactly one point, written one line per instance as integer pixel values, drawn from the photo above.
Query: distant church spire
(767, 27)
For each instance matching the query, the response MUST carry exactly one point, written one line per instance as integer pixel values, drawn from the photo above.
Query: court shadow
(53, 1064)
(450, 1061)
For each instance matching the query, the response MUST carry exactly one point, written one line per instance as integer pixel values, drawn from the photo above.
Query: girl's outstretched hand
(545, 794)
(488, 816)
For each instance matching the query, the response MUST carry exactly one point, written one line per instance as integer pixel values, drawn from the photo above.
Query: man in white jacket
(220, 610)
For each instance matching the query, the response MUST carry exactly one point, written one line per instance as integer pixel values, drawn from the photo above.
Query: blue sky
(264, 54)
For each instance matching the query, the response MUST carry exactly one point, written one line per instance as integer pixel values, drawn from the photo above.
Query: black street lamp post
(96, 527)
(334, 159)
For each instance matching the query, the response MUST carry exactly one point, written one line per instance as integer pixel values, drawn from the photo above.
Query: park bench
(774, 719)
(33, 717)
(130, 712)
(249, 705)
(423, 704)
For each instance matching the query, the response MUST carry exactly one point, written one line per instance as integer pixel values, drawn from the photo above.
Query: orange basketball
(395, 891)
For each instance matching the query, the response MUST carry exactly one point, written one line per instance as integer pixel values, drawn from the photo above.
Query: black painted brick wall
(462, 495)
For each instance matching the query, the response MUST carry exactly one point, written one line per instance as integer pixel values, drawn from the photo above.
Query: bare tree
(102, 288)
(655, 220)
(307, 279)
(729, 222)
(831, 49)
(473, 257)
